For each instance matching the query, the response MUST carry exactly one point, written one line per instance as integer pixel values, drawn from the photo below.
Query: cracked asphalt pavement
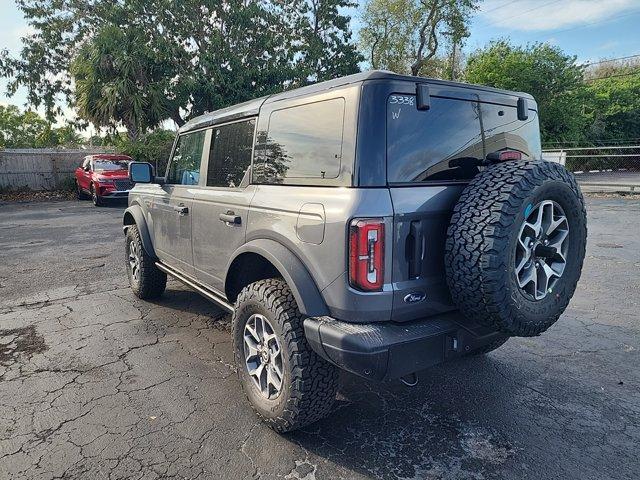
(95, 383)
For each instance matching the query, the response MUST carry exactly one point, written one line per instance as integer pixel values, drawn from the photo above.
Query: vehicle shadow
(451, 425)
(179, 298)
(448, 426)
(117, 203)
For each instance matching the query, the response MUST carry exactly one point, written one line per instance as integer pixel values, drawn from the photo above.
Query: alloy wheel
(134, 261)
(263, 356)
(541, 251)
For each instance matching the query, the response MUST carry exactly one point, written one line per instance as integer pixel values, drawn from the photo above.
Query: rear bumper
(381, 351)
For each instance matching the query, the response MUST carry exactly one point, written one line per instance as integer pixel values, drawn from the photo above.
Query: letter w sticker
(396, 115)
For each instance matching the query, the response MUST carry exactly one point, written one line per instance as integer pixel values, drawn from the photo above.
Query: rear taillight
(504, 155)
(510, 155)
(366, 254)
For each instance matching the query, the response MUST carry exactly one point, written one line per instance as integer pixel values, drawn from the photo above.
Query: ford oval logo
(414, 297)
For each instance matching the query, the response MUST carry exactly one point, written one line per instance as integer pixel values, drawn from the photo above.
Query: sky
(590, 29)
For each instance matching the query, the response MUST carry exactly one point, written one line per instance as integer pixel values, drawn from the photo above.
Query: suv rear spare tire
(515, 246)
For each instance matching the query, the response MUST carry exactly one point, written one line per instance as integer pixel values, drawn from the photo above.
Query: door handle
(181, 209)
(230, 217)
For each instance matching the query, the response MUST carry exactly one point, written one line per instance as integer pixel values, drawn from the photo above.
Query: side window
(185, 164)
(230, 154)
(301, 142)
(86, 163)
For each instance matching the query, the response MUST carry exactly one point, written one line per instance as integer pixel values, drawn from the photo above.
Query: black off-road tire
(481, 245)
(151, 281)
(79, 192)
(97, 199)
(309, 383)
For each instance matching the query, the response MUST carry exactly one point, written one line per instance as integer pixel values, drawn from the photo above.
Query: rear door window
(304, 141)
(187, 156)
(230, 154)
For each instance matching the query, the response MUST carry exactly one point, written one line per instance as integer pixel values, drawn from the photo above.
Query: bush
(68, 184)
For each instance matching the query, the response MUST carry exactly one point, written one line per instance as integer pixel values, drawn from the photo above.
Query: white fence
(40, 168)
(556, 156)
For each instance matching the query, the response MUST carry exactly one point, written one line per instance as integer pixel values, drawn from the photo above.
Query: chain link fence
(606, 167)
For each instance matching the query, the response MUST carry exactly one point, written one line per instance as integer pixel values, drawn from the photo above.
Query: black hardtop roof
(252, 107)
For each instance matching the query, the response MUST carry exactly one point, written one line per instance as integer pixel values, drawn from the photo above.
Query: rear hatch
(431, 155)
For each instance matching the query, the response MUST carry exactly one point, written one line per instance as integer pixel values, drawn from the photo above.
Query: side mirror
(87, 168)
(141, 172)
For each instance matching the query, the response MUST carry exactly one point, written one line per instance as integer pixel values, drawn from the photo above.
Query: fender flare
(138, 216)
(302, 285)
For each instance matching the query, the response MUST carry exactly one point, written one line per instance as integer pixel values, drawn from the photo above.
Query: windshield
(111, 165)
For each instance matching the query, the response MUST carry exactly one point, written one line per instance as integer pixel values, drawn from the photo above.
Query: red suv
(103, 176)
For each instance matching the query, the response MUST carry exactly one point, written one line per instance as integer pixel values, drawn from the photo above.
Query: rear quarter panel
(283, 213)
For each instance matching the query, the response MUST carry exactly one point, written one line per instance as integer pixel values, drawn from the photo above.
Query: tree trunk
(428, 39)
(133, 132)
(175, 116)
(452, 76)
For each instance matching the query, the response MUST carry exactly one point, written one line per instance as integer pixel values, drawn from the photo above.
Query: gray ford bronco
(375, 223)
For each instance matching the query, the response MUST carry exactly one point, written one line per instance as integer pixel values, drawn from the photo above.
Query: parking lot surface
(95, 383)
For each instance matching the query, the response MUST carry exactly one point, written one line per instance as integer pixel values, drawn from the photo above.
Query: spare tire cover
(515, 246)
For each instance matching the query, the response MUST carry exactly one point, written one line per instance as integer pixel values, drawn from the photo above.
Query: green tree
(611, 102)
(546, 72)
(324, 49)
(201, 55)
(224, 52)
(68, 136)
(386, 34)
(29, 130)
(119, 81)
(19, 130)
(409, 36)
(153, 147)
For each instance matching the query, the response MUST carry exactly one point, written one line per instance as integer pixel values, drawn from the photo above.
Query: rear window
(447, 141)
(302, 142)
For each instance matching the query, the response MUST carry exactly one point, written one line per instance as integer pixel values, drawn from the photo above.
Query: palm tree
(119, 81)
